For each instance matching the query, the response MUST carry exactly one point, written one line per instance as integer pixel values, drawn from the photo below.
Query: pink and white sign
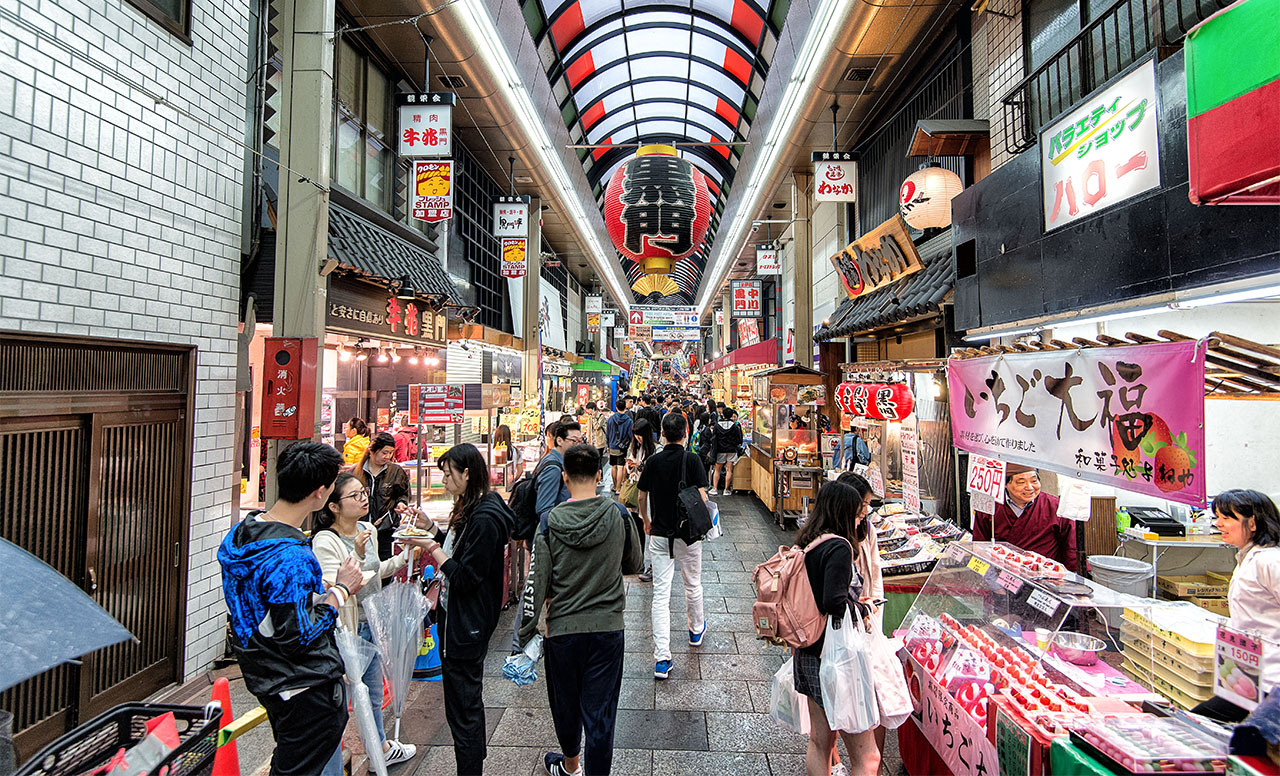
(1131, 417)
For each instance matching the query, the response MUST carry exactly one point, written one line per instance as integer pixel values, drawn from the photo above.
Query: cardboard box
(1216, 605)
(1200, 585)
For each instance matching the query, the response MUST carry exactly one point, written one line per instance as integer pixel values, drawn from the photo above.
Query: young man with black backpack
(666, 475)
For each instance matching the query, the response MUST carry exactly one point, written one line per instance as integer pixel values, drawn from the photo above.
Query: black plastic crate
(92, 744)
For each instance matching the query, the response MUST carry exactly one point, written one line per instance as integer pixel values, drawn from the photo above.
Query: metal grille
(474, 230)
(31, 366)
(47, 521)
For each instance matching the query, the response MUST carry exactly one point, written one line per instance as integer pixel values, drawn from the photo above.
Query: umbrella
(46, 619)
(395, 614)
(356, 656)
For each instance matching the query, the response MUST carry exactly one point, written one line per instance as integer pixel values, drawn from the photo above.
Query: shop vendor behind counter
(1028, 519)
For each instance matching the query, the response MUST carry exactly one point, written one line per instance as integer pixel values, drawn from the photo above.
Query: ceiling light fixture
(382, 356)
(1234, 296)
(487, 40)
(817, 42)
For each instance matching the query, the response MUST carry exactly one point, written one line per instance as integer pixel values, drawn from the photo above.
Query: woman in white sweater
(339, 533)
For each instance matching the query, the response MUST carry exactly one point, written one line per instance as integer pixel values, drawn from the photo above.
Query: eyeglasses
(359, 495)
(574, 440)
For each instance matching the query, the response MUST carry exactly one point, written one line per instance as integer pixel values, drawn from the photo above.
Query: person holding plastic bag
(835, 583)
(470, 557)
(339, 533)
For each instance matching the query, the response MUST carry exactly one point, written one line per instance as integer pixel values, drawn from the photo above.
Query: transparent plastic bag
(788, 707)
(356, 656)
(848, 684)
(519, 668)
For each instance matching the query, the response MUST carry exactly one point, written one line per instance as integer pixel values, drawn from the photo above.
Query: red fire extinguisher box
(288, 387)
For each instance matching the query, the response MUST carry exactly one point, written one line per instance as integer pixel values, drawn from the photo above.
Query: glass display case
(785, 414)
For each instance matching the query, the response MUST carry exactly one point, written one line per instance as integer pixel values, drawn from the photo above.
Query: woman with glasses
(339, 533)
(471, 557)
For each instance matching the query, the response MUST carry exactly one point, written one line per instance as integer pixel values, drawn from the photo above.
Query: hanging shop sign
(878, 258)
(1131, 417)
(641, 333)
(657, 209)
(719, 316)
(748, 332)
(924, 201)
(500, 367)
(608, 318)
(835, 176)
(426, 124)
(910, 465)
(511, 217)
(877, 401)
(747, 297)
(430, 404)
(594, 303)
(662, 315)
(593, 323)
(433, 190)
(289, 387)
(556, 368)
(354, 307)
(1104, 152)
(767, 262)
(515, 257)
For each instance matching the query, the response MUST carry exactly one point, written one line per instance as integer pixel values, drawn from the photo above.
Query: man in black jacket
(649, 412)
(282, 618)
(728, 434)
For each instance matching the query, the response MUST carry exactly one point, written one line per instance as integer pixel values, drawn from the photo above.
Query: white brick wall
(120, 217)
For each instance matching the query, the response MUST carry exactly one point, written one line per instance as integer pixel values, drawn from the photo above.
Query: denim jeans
(373, 680)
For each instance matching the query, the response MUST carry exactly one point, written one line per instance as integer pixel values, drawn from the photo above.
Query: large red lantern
(844, 398)
(657, 209)
(890, 401)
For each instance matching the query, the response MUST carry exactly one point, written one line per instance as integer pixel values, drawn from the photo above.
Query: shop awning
(591, 365)
(910, 297)
(760, 353)
(372, 250)
(949, 137)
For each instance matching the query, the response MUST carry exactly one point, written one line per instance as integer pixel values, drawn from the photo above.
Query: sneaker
(646, 577)
(554, 763)
(695, 639)
(397, 752)
(727, 492)
(839, 770)
(661, 669)
(712, 492)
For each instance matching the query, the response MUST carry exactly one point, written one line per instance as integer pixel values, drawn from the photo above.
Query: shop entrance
(95, 472)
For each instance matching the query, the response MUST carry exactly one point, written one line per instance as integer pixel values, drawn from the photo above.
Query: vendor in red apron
(1028, 519)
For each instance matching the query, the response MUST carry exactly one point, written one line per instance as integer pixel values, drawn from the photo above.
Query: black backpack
(523, 502)
(693, 519)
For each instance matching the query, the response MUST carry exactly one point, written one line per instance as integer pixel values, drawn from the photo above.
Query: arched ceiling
(628, 72)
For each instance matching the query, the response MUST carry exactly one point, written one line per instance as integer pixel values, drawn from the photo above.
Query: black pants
(464, 711)
(584, 679)
(307, 728)
(1221, 709)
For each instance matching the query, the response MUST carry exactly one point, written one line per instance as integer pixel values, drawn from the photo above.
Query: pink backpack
(785, 611)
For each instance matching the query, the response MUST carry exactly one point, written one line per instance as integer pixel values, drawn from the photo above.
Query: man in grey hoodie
(576, 569)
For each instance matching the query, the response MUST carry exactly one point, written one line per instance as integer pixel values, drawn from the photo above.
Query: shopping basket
(92, 744)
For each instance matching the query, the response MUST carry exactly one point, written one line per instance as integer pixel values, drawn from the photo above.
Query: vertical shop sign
(593, 323)
(594, 303)
(433, 190)
(1013, 746)
(1237, 666)
(511, 217)
(910, 465)
(426, 124)
(1131, 417)
(835, 176)
(1104, 152)
(515, 257)
(288, 387)
(767, 262)
(748, 332)
(719, 316)
(747, 296)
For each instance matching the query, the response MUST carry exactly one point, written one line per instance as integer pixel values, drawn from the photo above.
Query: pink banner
(1129, 417)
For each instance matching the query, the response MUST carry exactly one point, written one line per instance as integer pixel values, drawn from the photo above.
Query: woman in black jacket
(470, 556)
(835, 583)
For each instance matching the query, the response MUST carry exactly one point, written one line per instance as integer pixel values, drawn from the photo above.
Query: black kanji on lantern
(658, 195)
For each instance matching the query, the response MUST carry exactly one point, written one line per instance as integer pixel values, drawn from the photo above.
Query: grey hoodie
(577, 566)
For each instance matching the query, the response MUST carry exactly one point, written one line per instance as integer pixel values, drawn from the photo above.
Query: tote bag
(848, 684)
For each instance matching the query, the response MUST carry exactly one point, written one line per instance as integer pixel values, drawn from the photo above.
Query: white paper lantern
(925, 198)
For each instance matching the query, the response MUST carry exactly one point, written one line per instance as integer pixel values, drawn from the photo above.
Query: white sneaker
(711, 492)
(397, 752)
(839, 770)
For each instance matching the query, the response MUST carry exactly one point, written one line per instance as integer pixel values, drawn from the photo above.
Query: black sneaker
(554, 763)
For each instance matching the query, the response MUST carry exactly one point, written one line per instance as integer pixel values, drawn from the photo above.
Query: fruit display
(1147, 744)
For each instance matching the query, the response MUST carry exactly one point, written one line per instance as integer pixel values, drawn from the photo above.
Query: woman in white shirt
(338, 533)
(1249, 520)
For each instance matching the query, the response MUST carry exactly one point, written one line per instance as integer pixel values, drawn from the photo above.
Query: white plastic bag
(892, 696)
(786, 706)
(716, 532)
(848, 685)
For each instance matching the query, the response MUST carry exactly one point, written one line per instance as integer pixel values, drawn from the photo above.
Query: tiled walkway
(709, 717)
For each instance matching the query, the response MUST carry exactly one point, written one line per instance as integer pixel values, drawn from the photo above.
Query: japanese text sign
(956, 736)
(835, 176)
(986, 483)
(435, 404)
(748, 332)
(910, 466)
(356, 307)
(593, 323)
(595, 303)
(288, 388)
(515, 257)
(719, 316)
(511, 217)
(426, 124)
(767, 262)
(878, 258)
(608, 318)
(747, 296)
(662, 315)
(1102, 153)
(433, 191)
(1131, 417)
(1237, 666)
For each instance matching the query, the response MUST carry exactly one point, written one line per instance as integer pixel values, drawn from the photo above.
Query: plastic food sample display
(1151, 745)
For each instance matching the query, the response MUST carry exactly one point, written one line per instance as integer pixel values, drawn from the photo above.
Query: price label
(1239, 657)
(979, 565)
(954, 552)
(1009, 582)
(1046, 603)
(986, 477)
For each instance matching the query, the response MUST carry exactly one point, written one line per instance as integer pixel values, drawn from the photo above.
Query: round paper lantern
(925, 198)
(890, 401)
(844, 398)
(657, 209)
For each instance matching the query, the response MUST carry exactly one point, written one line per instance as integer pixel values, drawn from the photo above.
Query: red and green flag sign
(1233, 105)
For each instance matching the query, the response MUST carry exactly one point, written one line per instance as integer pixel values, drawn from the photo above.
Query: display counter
(786, 429)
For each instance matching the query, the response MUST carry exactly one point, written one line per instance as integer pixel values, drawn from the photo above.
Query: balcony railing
(1120, 36)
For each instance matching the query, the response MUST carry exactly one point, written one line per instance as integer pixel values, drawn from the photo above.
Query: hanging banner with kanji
(514, 257)
(593, 323)
(426, 124)
(1131, 417)
(511, 217)
(747, 296)
(433, 191)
